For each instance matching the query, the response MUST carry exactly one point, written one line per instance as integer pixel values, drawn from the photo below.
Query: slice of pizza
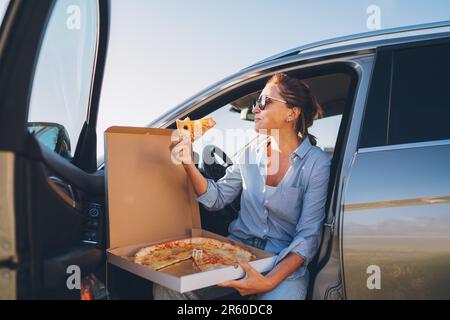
(195, 128)
(163, 255)
(211, 254)
(163, 258)
(207, 261)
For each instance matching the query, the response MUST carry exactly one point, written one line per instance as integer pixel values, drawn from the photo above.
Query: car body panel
(397, 217)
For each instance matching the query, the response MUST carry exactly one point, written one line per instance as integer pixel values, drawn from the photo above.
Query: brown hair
(298, 94)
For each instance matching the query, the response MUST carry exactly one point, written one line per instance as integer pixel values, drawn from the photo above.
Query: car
(386, 128)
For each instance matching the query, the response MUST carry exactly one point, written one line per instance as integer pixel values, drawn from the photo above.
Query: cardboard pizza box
(150, 200)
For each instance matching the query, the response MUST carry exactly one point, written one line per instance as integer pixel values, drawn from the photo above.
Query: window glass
(231, 132)
(62, 81)
(234, 130)
(420, 103)
(326, 131)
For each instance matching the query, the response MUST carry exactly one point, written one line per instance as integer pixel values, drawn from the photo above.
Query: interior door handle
(63, 190)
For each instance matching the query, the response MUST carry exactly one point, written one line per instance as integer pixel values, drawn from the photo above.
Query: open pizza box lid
(150, 200)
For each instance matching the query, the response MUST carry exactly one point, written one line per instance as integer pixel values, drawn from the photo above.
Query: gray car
(386, 127)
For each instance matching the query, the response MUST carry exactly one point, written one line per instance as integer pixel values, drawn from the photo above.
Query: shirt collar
(300, 152)
(303, 148)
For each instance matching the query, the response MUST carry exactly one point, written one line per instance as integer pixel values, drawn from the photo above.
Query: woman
(284, 185)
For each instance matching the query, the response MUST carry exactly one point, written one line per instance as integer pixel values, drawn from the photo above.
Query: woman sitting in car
(284, 185)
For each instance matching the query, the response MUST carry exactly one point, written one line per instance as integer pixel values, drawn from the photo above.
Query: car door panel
(396, 204)
(55, 204)
(52, 230)
(93, 184)
(398, 222)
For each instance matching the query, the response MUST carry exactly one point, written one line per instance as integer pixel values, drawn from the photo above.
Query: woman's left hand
(253, 282)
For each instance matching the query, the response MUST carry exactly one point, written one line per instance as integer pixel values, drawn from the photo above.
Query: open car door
(52, 57)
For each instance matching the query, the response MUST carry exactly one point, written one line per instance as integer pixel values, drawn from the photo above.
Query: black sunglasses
(262, 101)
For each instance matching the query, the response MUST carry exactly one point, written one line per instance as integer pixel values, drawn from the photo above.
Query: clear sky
(162, 52)
(3, 4)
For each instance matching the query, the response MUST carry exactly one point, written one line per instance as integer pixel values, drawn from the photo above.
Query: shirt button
(266, 202)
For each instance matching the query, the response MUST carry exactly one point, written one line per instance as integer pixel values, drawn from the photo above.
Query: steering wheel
(214, 163)
(211, 166)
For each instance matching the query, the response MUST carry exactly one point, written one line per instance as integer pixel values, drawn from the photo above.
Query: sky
(3, 4)
(163, 52)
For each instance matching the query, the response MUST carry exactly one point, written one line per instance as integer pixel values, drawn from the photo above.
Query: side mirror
(247, 114)
(52, 135)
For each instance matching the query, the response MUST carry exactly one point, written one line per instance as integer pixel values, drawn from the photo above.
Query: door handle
(63, 190)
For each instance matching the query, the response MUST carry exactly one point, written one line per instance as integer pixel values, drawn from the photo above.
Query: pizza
(207, 254)
(158, 257)
(195, 128)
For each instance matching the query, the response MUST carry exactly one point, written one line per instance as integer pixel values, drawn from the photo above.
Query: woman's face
(276, 113)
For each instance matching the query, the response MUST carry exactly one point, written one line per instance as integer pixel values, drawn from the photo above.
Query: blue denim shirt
(289, 216)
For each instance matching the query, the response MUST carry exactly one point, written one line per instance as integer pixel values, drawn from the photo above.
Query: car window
(420, 104)
(62, 80)
(231, 132)
(326, 131)
(235, 129)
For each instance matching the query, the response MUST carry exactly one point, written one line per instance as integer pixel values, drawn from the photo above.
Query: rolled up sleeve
(309, 228)
(224, 191)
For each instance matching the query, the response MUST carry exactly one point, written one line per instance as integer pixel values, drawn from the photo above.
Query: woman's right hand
(181, 149)
(181, 153)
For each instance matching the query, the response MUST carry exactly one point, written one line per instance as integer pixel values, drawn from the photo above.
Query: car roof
(362, 40)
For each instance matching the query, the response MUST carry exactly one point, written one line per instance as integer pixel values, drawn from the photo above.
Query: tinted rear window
(420, 96)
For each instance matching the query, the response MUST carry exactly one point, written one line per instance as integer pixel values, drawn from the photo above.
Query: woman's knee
(288, 290)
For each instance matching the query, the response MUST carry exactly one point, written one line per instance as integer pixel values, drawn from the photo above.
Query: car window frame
(385, 55)
(328, 66)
